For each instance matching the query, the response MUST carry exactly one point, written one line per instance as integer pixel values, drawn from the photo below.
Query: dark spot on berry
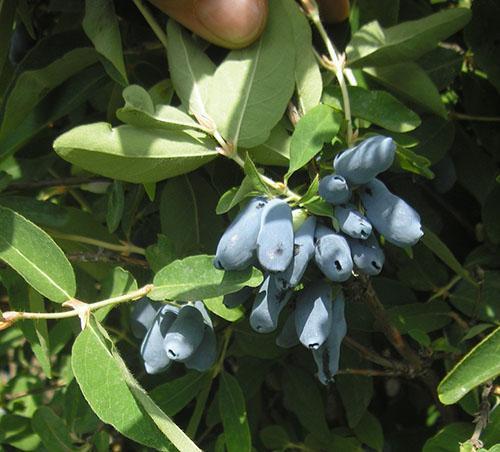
(376, 265)
(338, 266)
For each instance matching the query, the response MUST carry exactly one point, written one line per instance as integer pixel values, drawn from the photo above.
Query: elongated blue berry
(367, 255)
(152, 351)
(303, 252)
(312, 314)
(390, 215)
(232, 300)
(327, 357)
(334, 189)
(287, 338)
(332, 255)
(363, 162)
(142, 316)
(269, 302)
(236, 247)
(352, 222)
(185, 334)
(275, 239)
(205, 355)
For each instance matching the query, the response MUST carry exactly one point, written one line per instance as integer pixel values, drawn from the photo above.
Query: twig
(372, 372)
(106, 258)
(157, 30)
(20, 395)
(390, 331)
(466, 117)
(334, 63)
(13, 316)
(125, 247)
(372, 356)
(62, 182)
(482, 418)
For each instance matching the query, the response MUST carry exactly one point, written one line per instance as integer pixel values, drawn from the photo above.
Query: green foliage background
(112, 177)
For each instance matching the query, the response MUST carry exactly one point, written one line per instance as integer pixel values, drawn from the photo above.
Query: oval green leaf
(250, 90)
(195, 278)
(234, 415)
(116, 397)
(479, 365)
(132, 154)
(35, 256)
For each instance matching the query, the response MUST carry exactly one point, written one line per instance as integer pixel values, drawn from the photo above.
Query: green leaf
(254, 176)
(308, 81)
(133, 155)
(275, 150)
(490, 213)
(472, 370)
(274, 437)
(448, 439)
(304, 399)
(251, 88)
(234, 415)
(425, 317)
(117, 282)
(434, 243)
(442, 65)
(116, 397)
(35, 256)
(319, 126)
(101, 26)
(373, 46)
(139, 110)
(61, 101)
(377, 107)
(195, 278)
(216, 306)
(369, 431)
(33, 85)
(413, 162)
(52, 429)
(186, 207)
(23, 298)
(17, 431)
(411, 82)
(235, 195)
(190, 68)
(7, 16)
(355, 391)
(435, 136)
(174, 395)
(161, 253)
(78, 415)
(116, 203)
(479, 301)
(482, 37)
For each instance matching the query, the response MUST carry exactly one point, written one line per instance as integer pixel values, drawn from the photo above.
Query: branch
(483, 417)
(372, 372)
(465, 117)
(390, 331)
(79, 308)
(107, 258)
(62, 182)
(373, 356)
(335, 62)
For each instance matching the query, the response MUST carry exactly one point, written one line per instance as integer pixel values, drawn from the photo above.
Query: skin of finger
(228, 23)
(334, 11)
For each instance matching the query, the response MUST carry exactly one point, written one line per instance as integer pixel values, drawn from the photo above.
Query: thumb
(228, 23)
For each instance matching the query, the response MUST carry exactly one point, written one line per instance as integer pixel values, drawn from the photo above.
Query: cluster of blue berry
(169, 333)
(263, 235)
